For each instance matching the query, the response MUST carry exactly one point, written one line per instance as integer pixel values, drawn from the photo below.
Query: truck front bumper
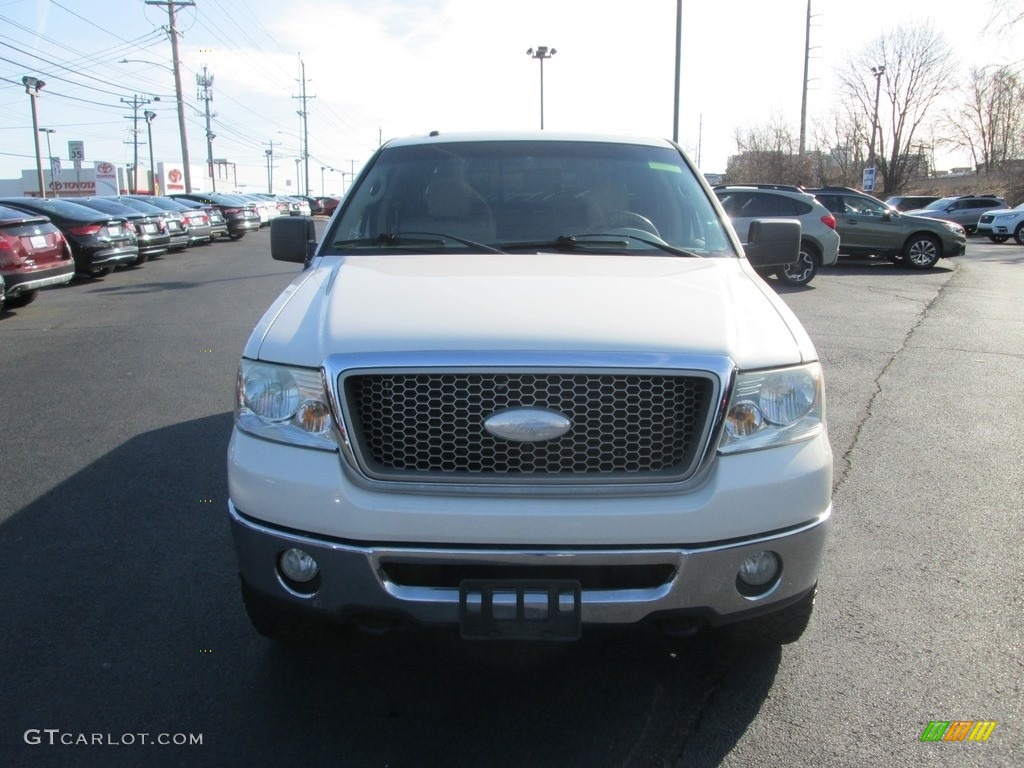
(617, 585)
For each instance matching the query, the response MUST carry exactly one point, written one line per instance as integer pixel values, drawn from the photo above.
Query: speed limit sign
(76, 150)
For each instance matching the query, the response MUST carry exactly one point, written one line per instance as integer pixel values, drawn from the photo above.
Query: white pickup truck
(526, 384)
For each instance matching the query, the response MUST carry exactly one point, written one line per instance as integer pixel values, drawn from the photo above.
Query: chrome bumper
(702, 580)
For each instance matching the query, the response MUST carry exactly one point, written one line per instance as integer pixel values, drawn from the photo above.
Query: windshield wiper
(413, 239)
(598, 240)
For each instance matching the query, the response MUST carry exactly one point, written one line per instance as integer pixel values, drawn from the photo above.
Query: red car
(33, 255)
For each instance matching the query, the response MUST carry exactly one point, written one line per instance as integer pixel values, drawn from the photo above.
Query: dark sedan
(173, 221)
(99, 242)
(33, 255)
(150, 229)
(241, 216)
(204, 223)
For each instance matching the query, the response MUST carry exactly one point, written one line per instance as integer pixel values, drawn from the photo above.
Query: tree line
(903, 77)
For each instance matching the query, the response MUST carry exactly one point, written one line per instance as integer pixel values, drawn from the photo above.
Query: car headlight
(770, 408)
(285, 404)
(955, 227)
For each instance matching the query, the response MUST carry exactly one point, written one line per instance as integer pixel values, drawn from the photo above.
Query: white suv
(526, 384)
(1000, 226)
(819, 243)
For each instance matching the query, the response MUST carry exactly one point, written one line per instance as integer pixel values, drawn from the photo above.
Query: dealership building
(103, 178)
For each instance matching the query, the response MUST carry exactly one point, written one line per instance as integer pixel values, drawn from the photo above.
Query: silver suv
(819, 241)
(961, 209)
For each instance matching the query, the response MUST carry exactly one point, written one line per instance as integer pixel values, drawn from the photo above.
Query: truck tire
(777, 628)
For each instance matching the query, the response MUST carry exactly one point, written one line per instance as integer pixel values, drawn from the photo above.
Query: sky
(377, 69)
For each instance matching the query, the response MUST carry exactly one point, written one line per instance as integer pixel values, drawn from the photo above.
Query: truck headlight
(285, 404)
(769, 408)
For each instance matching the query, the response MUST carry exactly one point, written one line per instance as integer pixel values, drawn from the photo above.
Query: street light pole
(49, 155)
(542, 52)
(877, 72)
(33, 86)
(150, 117)
(270, 177)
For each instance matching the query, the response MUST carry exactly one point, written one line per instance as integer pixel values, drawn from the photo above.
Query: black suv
(869, 227)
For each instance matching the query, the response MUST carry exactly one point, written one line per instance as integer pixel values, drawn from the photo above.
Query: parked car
(240, 215)
(267, 209)
(214, 216)
(328, 204)
(964, 210)
(1001, 225)
(910, 202)
(150, 229)
(33, 255)
(819, 242)
(195, 218)
(560, 396)
(316, 208)
(869, 227)
(99, 242)
(296, 206)
(173, 221)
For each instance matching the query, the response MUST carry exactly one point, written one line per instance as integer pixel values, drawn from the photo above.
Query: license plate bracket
(520, 609)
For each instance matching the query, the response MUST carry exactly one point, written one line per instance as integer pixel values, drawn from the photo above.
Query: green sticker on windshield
(664, 167)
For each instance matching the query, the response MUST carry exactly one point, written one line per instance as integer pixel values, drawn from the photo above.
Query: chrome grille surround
(414, 421)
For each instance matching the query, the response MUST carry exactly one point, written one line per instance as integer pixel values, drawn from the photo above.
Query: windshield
(530, 195)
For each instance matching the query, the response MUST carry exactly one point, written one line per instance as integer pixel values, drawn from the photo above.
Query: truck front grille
(429, 426)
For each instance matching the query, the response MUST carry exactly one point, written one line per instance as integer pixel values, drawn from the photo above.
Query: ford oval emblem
(527, 425)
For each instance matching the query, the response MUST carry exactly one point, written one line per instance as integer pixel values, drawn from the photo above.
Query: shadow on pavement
(122, 617)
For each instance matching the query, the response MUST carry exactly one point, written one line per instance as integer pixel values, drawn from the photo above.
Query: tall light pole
(33, 85)
(49, 155)
(150, 117)
(270, 173)
(877, 72)
(540, 53)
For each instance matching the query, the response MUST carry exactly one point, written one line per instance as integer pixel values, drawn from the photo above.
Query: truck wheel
(278, 623)
(778, 628)
(922, 251)
(1018, 234)
(804, 269)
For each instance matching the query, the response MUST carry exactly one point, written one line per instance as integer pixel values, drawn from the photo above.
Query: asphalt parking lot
(121, 612)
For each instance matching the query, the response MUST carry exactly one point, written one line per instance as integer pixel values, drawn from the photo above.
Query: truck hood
(530, 302)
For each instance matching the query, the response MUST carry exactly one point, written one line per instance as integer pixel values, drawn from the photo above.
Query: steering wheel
(630, 220)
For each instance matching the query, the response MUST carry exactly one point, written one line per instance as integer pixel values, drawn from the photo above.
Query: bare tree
(767, 153)
(919, 66)
(989, 120)
(840, 141)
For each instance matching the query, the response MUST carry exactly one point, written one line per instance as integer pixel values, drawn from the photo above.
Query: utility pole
(679, 64)
(33, 85)
(807, 65)
(135, 102)
(303, 113)
(204, 93)
(172, 32)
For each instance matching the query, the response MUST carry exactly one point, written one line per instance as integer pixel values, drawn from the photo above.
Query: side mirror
(887, 215)
(773, 243)
(292, 238)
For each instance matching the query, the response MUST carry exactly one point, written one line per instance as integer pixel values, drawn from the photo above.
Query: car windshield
(517, 195)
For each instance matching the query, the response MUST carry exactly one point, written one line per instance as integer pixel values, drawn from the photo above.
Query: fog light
(759, 569)
(298, 566)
